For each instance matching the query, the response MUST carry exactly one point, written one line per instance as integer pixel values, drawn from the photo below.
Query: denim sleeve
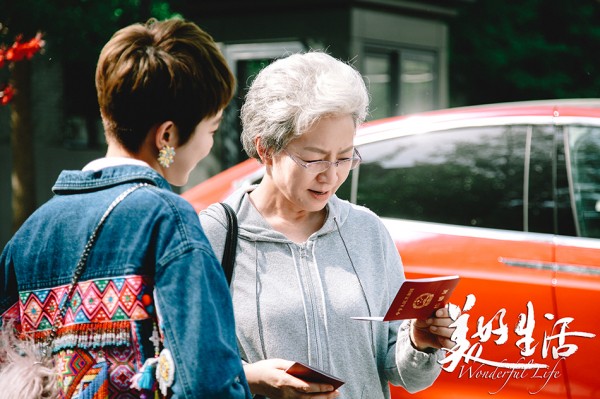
(8, 283)
(197, 319)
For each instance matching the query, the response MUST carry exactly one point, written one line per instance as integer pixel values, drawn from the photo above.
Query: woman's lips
(318, 193)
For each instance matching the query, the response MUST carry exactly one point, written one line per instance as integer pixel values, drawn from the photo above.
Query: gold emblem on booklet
(422, 300)
(418, 298)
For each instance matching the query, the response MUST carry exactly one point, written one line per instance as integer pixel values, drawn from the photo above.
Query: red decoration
(6, 94)
(146, 299)
(17, 52)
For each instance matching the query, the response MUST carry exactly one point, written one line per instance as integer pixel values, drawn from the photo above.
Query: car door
(577, 266)
(456, 201)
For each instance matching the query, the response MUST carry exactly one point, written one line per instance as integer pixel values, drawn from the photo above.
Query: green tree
(507, 50)
(75, 31)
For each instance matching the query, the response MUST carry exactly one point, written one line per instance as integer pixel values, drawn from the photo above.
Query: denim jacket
(151, 261)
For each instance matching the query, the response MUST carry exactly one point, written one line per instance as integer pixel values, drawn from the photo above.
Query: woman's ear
(166, 135)
(264, 154)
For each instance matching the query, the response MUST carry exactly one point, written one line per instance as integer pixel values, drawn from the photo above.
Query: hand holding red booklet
(419, 298)
(310, 374)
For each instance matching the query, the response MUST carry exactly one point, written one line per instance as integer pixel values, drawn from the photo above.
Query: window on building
(378, 73)
(418, 81)
(401, 81)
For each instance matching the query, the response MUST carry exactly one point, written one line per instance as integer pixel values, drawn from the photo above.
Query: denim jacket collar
(106, 162)
(73, 181)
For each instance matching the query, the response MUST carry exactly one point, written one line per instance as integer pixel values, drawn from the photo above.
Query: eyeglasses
(316, 167)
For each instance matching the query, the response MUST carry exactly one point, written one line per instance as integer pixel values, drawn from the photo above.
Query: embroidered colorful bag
(26, 368)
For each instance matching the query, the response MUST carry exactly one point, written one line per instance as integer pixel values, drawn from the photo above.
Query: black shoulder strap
(228, 260)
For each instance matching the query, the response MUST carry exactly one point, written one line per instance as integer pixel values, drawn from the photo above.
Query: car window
(565, 215)
(470, 176)
(539, 183)
(584, 154)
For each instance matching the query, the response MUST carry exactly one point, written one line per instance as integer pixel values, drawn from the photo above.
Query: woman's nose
(328, 175)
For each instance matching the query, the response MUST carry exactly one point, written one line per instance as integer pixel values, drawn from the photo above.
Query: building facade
(401, 47)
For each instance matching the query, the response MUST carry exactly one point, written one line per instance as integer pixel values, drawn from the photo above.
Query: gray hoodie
(295, 300)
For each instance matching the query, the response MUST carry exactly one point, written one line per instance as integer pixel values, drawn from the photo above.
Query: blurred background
(415, 56)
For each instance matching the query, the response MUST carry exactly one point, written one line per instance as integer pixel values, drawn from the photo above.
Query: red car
(508, 197)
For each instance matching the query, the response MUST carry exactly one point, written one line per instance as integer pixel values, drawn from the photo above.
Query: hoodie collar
(254, 227)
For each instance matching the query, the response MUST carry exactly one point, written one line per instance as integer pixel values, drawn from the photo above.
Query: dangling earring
(166, 156)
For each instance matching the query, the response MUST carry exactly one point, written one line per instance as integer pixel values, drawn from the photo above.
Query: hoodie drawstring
(256, 297)
(359, 283)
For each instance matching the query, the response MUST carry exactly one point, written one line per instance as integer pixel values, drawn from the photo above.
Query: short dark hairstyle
(158, 71)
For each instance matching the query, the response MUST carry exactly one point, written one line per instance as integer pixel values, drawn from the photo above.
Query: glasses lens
(356, 159)
(346, 164)
(322, 166)
(355, 163)
(317, 166)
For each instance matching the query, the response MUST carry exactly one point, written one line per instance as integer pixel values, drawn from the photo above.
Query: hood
(254, 227)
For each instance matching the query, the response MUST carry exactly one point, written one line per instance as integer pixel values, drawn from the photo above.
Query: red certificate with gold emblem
(419, 298)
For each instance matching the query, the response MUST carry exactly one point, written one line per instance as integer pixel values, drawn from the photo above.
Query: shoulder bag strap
(228, 260)
(81, 266)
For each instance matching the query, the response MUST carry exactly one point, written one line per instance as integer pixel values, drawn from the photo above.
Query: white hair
(293, 93)
(25, 373)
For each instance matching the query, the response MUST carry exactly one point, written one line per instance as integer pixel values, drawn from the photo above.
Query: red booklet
(419, 298)
(310, 374)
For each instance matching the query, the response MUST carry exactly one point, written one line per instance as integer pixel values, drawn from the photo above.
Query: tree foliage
(78, 28)
(75, 31)
(507, 50)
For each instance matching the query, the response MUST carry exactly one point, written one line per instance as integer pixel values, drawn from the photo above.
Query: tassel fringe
(146, 377)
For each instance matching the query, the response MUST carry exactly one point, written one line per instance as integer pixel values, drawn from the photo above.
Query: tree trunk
(21, 139)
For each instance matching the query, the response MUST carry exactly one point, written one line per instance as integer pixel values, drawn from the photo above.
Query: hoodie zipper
(315, 355)
(302, 248)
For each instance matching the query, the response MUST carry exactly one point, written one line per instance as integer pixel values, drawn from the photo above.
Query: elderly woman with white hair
(308, 261)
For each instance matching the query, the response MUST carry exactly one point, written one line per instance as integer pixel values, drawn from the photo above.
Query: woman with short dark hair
(150, 314)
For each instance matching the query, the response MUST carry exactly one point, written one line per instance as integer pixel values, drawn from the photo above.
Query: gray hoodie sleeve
(213, 221)
(415, 370)
(405, 366)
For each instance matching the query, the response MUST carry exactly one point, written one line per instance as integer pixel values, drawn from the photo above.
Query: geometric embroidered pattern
(13, 315)
(95, 385)
(122, 368)
(72, 366)
(94, 301)
(110, 370)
